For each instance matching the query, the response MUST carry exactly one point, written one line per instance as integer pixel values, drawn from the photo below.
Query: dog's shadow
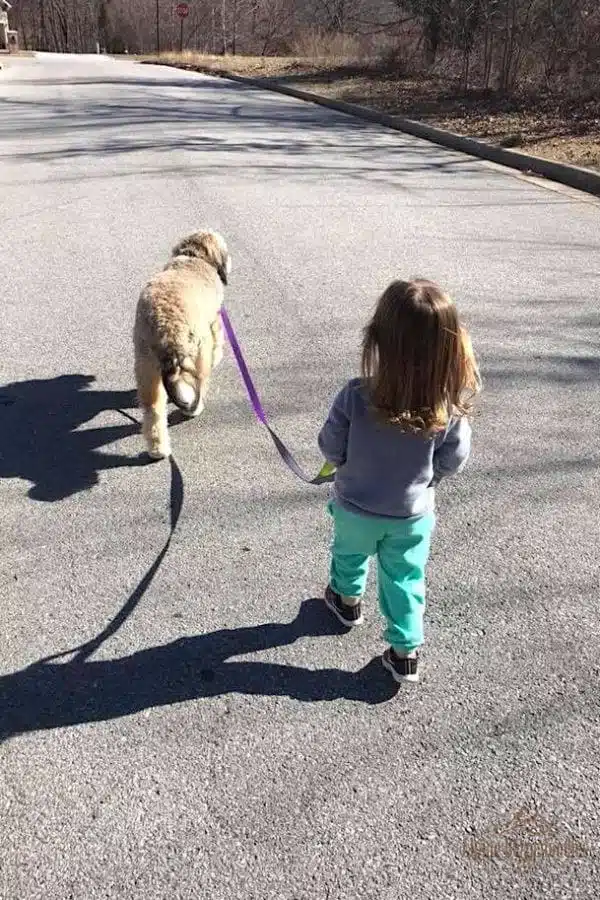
(50, 694)
(40, 441)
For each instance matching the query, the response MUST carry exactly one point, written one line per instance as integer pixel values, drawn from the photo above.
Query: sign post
(183, 11)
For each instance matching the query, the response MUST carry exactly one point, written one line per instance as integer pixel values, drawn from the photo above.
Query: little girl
(392, 435)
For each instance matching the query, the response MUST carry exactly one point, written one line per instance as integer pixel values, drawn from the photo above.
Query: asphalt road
(217, 738)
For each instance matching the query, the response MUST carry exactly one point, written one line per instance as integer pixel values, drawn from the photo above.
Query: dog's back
(176, 309)
(176, 314)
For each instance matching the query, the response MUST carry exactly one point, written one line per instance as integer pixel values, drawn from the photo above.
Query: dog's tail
(181, 381)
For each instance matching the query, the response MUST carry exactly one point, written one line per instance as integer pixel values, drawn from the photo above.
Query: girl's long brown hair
(417, 359)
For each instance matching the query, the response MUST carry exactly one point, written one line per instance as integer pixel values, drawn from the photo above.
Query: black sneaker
(348, 615)
(403, 668)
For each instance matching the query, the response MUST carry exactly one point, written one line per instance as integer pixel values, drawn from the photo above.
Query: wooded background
(495, 44)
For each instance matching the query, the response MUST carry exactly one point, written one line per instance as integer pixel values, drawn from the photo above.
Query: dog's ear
(217, 254)
(224, 266)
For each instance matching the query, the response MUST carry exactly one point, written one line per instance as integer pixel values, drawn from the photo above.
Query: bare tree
(492, 41)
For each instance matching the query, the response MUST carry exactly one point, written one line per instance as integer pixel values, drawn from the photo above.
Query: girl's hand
(327, 469)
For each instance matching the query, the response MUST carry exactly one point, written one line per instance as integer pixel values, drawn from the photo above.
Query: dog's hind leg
(218, 337)
(204, 366)
(152, 399)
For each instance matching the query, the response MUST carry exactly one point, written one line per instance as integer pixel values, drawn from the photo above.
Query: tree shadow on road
(53, 695)
(40, 440)
(258, 132)
(551, 368)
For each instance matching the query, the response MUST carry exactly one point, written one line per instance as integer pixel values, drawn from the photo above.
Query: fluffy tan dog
(178, 336)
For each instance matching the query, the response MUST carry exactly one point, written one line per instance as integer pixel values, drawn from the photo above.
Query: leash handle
(327, 471)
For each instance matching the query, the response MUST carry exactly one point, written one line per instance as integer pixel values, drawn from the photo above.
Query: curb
(573, 176)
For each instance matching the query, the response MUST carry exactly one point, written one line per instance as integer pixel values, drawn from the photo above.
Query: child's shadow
(39, 440)
(48, 694)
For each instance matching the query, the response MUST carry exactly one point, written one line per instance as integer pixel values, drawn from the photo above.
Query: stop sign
(182, 10)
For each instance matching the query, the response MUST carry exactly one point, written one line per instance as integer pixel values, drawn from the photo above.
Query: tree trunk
(224, 27)
(234, 25)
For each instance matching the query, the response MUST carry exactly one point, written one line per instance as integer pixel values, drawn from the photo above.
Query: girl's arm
(452, 454)
(333, 437)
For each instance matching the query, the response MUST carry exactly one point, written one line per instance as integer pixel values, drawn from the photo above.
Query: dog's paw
(196, 411)
(157, 453)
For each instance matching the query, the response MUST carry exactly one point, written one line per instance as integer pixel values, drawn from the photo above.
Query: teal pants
(402, 549)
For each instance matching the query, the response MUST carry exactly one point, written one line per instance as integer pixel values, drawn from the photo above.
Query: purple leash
(326, 473)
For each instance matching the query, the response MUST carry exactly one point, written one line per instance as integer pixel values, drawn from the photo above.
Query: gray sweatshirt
(381, 470)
